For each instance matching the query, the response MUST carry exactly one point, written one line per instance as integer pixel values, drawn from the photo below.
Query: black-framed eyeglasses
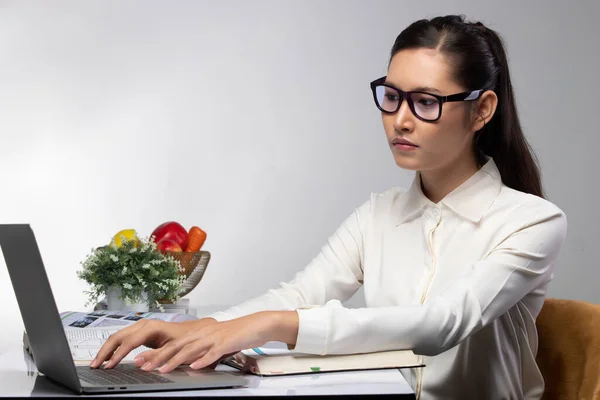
(425, 106)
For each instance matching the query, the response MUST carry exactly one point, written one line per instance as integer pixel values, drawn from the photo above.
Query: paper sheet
(105, 318)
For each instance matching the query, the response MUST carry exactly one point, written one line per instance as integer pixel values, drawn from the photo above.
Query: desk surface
(19, 378)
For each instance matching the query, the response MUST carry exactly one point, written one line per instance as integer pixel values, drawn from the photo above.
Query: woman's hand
(150, 333)
(207, 345)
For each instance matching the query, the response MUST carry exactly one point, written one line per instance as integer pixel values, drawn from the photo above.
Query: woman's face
(437, 145)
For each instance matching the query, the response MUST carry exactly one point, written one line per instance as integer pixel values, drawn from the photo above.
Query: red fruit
(173, 231)
(168, 245)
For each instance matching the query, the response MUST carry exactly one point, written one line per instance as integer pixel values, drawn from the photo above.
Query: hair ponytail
(502, 138)
(480, 62)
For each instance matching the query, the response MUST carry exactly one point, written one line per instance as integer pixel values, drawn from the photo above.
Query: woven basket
(194, 265)
(190, 260)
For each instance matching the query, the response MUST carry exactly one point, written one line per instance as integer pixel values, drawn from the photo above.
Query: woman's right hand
(150, 333)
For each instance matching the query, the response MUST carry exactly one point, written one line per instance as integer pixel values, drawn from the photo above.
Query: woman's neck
(437, 184)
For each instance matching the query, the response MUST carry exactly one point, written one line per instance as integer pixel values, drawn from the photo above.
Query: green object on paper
(315, 369)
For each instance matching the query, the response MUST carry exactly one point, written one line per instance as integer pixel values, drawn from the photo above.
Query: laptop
(48, 342)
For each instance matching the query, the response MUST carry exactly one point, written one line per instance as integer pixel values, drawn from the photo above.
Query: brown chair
(569, 349)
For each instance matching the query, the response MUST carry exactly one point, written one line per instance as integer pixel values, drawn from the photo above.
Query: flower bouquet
(136, 269)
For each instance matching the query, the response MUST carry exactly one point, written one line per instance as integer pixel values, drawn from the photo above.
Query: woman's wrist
(283, 326)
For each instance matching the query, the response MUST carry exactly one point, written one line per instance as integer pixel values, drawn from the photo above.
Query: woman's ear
(485, 109)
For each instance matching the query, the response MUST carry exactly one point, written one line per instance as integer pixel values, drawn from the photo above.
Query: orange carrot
(196, 238)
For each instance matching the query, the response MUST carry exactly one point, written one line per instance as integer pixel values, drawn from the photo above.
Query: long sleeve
(335, 273)
(520, 263)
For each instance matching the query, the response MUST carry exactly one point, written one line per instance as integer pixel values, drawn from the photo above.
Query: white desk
(19, 378)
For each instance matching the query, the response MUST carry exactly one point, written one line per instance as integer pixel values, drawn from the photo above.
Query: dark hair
(480, 62)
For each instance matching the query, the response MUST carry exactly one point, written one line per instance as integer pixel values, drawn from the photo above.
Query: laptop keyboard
(123, 374)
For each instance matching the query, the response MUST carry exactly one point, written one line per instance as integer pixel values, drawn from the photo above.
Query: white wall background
(253, 120)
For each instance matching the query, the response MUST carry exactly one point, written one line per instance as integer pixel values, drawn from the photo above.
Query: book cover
(275, 360)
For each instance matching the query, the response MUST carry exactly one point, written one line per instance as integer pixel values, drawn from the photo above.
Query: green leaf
(144, 270)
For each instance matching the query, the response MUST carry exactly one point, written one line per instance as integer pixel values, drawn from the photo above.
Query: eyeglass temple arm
(465, 96)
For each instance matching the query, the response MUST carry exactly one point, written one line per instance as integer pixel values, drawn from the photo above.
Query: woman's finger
(144, 357)
(187, 354)
(167, 352)
(133, 341)
(208, 358)
(114, 342)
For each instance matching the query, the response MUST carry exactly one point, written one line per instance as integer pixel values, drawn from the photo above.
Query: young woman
(455, 267)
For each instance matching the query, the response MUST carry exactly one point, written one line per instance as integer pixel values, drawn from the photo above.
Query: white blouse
(460, 282)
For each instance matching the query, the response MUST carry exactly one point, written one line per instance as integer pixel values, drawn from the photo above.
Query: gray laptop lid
(42, 322)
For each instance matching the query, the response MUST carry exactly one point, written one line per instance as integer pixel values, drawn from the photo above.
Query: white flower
(127, 285)
(146, 266)
(133, 250)
(124, 271)
(114, 258)
(160, 306)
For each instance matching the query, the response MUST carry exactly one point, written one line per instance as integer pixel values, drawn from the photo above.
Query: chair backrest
(569, 349)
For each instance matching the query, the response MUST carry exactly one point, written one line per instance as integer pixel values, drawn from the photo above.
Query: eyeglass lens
(424, 105)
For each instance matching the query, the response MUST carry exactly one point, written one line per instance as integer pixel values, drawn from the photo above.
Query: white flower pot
(115, 303)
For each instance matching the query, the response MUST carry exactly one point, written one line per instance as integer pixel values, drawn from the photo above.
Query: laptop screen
(40, 315)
